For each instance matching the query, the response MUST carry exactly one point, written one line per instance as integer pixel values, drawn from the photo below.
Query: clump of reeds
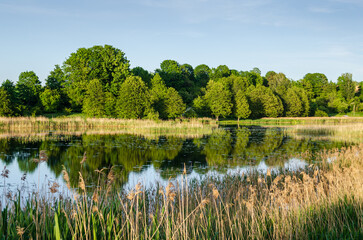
(322, 201)
(25, 126)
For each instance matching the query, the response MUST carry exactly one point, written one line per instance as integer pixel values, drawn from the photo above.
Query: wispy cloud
(33, 10)
(322, 10)
(196, 11)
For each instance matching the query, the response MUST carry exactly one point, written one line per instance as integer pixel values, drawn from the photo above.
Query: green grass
(349, 114)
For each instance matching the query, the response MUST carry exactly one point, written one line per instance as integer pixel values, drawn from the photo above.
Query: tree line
(99, 82)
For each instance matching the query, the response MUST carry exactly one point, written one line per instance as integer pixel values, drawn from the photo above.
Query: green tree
(134, 99)
(219, 99)
(56, 78)
(254, 78)
(202, 75)
(316, 81)
(105, 63)
(28, 89)
(242, 106)
(304, 100)
(57, 81)
(94, 101)
(293, 104)
(346, 86)
(278, 82)
(174, 106)
(256, 70)
(263, 102)
(10, 89)
(172, 74)
(145, 75)
(157, 95)
(110, 104)
(50, 99)
(5, 109)
(200, 105)
(220, 72)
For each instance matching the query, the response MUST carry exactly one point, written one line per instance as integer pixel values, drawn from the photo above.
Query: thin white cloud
(32, 10)
(321, 10)
(355, 2)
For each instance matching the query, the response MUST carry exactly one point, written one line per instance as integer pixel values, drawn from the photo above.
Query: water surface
(148, 160)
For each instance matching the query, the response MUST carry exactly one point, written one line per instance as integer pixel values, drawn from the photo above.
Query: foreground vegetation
(99, 82)
(325, 200)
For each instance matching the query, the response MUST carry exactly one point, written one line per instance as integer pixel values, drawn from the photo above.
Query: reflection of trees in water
(231, 147)
(218, 147)
(189, 154)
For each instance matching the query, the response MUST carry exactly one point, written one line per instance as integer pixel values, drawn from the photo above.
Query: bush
(320, 113)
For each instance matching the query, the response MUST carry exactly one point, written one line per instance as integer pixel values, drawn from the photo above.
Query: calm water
(139, 159)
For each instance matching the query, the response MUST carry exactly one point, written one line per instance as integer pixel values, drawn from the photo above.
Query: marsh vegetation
(274, 182)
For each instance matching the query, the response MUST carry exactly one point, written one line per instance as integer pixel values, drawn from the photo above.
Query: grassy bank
(35, 125)
(293, 121)
(352, 132)
(322, 201)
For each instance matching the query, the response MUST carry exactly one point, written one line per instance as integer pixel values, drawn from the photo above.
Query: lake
(156, 159)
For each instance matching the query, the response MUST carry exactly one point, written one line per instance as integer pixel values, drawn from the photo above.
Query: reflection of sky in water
(150, 175)
(147, 177)
(234, 151)
(43, 176)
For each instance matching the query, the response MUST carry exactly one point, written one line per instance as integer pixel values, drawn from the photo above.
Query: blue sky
(290, 36)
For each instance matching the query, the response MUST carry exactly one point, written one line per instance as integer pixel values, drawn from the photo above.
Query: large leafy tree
(94, 102)
(179, 77)
(107, 64)
(174, 105)
(56, 78)
(202, 75)
(51, 100)
(157, 95)
(28, 89)
(315, 81)
(56, 81)
(219, 99)
(134, 99)
(10, 89)
(293, 104)
(242, 106)
(346, 86)
(172, 74)
(304, 100)
(263, 102)
(5, 109)
(220, 72)
(145, 75)
(278, 82)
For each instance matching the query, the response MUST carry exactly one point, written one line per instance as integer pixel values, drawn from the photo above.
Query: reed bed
(322, 201)
(352, 132)
(39, 125)
(295, 120)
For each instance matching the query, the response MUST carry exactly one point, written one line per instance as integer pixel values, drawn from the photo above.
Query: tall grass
(34, 125)
(295, 120)
(321, 201)
(352, 132)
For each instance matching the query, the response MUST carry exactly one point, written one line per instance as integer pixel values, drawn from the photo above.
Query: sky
(290, 36)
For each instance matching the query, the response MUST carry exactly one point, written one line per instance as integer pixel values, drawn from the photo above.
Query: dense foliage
(99, 82)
